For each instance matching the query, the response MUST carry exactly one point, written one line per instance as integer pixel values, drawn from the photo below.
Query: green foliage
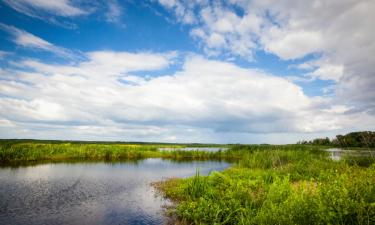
(12, 151)
(57, 151)
(362, 139)
(269, 184)
(278, 186)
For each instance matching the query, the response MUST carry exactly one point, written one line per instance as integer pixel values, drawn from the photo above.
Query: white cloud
(322, 69)
(104, 64)
(215, 40)
(183, 11)
(205, 96)
(28, 40)
(339, 33)
(99, 95)
(292, 44)
(328, 72)
(114, 12)
(64, 12)
(35, 110)
(6, 123)
(61, 7)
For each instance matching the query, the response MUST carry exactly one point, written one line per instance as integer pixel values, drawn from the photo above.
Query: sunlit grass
(267, 184)
(278, 187)
(36, 151)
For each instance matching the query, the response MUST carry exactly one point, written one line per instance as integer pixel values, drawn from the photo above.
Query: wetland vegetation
(12, 151)
(278, 186)
(265, 184)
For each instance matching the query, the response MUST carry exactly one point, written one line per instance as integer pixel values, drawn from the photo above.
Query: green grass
(33, 150)
(268, 184)
(277, 186)
(17, 151)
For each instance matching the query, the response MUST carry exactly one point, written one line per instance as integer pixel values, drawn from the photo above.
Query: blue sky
(185, 71)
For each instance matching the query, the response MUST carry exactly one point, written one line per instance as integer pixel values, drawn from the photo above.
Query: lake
(338, 153)
(90, 193)
(205, 149)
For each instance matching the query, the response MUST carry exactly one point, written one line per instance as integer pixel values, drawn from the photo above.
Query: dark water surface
(90, 193)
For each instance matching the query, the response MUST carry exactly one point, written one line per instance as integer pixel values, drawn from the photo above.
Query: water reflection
(205, 149)
(90, 193)
(338, 153)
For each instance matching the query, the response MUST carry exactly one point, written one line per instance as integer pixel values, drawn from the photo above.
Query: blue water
(90, 193)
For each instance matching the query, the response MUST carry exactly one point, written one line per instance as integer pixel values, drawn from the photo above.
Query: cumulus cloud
(339, 33)
(292, 45)
(102, 95)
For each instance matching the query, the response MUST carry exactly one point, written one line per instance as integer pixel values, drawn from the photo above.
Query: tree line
(363, 139)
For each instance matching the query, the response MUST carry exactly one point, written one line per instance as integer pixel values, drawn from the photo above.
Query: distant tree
(356, 139)
(303, 142)
(321, 141)
(364, 139)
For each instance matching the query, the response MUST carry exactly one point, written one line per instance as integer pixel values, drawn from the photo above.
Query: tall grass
(278, 186)
(41, 151)
(37, 151)
(269, 184)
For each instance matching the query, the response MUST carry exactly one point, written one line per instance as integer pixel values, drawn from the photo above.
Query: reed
(11, 151)
(277, 186)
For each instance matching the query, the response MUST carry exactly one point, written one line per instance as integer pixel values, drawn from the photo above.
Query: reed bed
(277, 186)
(12, 151)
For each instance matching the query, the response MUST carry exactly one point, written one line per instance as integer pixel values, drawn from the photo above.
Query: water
(90, 193)
(206, 149)
(338, 153)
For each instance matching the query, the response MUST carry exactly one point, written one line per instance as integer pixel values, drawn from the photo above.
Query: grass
(24, 151)
(33, 150)
(268, 184)
(277, 186)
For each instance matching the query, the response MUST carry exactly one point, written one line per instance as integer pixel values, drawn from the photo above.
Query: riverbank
(277, 187)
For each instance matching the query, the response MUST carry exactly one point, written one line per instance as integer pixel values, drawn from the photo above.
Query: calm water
(338, 153)
(206, 149)
(90, 193)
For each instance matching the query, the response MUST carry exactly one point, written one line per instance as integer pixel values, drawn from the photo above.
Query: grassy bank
(278, 186)
(13, 151)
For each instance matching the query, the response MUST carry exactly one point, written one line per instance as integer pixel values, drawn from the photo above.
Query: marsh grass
(58, 151)
(42, 151)
(278, 186)
(268, 184)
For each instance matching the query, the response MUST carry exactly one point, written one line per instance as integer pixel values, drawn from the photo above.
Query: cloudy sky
(261, 71)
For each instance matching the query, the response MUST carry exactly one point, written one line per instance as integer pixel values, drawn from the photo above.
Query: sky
(237, 71)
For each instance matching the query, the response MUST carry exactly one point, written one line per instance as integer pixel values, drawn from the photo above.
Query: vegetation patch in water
(11, 151)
